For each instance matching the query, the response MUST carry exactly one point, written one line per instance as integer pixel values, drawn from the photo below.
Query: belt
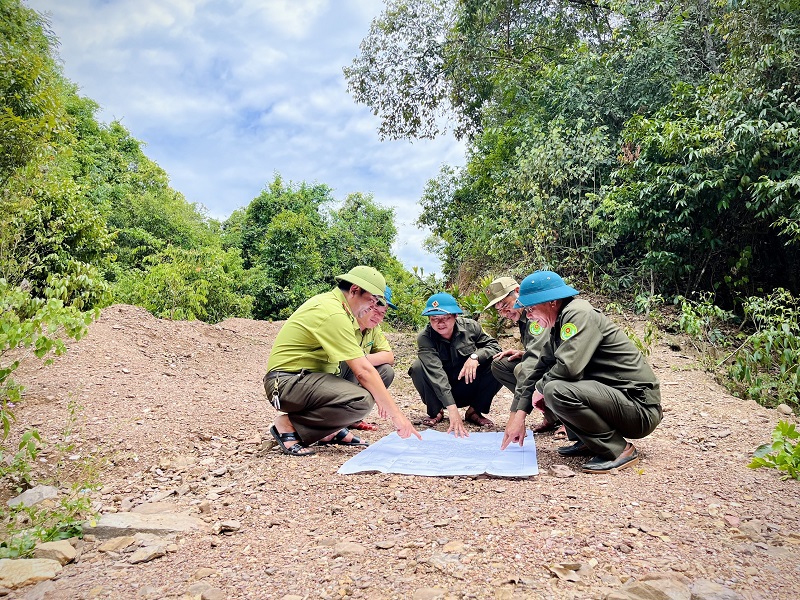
(274, 374)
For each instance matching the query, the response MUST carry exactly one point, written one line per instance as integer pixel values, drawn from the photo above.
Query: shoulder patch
(568, 330)
(534, 328)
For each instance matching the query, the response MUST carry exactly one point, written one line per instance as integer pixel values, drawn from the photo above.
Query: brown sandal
(433, 421)
(475, 418)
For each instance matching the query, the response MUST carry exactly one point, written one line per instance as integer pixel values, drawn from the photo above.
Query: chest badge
(535, 328)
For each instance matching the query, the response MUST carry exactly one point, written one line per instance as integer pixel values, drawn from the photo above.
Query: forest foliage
(644, 147)
(649, 150)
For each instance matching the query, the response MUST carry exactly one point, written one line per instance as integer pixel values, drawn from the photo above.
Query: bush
(782, 454)
(765, 367)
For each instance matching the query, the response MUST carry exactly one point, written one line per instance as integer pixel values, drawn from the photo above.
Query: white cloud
(226, 93)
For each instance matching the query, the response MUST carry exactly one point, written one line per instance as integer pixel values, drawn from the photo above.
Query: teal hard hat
(387, 296)
(543, 286)
(441, 304)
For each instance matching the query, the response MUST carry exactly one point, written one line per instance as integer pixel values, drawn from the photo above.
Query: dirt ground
(176, 412)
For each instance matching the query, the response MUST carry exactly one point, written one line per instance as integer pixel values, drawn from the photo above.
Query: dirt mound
(175, 412)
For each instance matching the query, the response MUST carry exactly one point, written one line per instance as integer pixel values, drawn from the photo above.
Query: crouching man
(590, 375)
(316, 405)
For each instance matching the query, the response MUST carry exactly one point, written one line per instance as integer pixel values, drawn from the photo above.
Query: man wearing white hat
(316, 405)
(510, 366)
(590, 375)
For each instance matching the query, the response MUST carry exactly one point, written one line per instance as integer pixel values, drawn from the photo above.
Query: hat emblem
(435, 304)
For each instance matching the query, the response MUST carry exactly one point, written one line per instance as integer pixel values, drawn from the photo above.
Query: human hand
(456, 424)
(515, 430)
(510, 353)
(404, 427)
(469, 370)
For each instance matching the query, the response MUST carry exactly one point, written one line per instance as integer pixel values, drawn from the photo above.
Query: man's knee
(558, 396)
(417, 373)
(387, 374)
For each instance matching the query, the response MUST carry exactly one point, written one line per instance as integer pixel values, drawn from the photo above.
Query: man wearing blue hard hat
(317, 406)
(590, 375)
(376, 348)
(453, 366)
(510, 366)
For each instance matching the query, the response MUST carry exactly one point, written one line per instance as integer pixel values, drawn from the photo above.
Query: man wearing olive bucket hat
(510, 366)
(316, 405)
(590, 375)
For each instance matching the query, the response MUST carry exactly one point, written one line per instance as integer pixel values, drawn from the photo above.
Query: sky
(225, 94)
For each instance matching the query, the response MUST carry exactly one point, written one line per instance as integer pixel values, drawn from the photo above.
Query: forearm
(371, 381)
(381, 358)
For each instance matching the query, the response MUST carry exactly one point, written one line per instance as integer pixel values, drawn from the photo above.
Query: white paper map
(442, 454)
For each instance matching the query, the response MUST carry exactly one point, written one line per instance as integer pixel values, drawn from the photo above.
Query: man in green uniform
(590, 375)
(509, 366)
(453, 366)
(301, 378)
(376, 348)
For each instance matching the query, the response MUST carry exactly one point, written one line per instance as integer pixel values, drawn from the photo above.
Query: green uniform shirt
(585, 344)
(317, 337)
(534, 338)
(439, 356)
(373, 340)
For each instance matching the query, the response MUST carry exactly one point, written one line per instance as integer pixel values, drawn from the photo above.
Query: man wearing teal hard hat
(590, 375)
(453, 366)
(316, 405)
(376, 348)
(510, 366)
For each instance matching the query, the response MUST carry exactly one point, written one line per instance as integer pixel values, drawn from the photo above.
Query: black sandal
(297, 449)
(338, 440)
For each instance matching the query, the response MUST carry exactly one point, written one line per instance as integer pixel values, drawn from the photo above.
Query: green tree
(30, 107)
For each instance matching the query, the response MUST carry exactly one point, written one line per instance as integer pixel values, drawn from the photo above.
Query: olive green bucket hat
(499, 289)
(366, 278)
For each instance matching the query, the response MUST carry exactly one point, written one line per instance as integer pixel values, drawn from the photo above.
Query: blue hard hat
(441, 304)
(387, 295)
(543, 286)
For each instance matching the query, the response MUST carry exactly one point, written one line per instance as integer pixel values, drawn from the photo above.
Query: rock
(227, 527)
(348, 548)
(384, 544)
(117, 524)
(453, 547)
(203, 572)
(703, 589)
(15, 573)
(40, 591)
(654, 589)
(116, 544)
(213, 593)
(561, 471)
(784, 409)
(154, 508)
(197, 589)
(62, 551)
(34, 496)
(149, 591)
(147, 554)
(428, 593)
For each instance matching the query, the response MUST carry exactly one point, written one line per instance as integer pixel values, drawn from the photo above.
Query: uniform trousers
(319, 404)
(507, 372)
(478, 394)
(599, 415)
